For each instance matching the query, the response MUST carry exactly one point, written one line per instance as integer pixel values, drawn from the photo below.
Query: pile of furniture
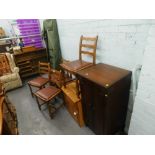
(94, 94)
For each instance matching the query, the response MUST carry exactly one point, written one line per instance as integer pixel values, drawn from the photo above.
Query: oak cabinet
(105, 94)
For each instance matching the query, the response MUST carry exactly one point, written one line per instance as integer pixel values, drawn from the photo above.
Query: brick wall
(121, 42)
(143, 117)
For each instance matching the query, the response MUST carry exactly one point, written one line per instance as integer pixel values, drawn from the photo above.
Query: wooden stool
(46, 95)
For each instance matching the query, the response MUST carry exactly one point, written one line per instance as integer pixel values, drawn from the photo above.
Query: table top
(103, 74)
(35, 50)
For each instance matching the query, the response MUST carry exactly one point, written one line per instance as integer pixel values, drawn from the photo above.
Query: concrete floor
(32, 121)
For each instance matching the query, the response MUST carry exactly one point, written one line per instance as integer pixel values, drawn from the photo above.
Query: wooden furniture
(87, 48)
(105, 93)
(40, 82)
(28, 61)
(8, 117)
(73, 102)
(46, 95)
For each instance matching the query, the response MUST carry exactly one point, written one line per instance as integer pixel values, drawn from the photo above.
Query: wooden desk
(28, 61)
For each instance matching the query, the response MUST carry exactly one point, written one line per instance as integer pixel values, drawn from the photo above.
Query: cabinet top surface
(103, 74)
(32, 51)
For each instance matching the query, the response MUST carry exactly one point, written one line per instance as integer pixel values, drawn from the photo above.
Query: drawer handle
(75, 113)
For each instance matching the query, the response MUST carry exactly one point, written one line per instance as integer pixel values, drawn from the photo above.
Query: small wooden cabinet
(105, 93)
(73, 103)
(28, 61)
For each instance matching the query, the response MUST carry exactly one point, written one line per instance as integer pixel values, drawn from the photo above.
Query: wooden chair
(46, 95)
(87, 46)
(40, 82)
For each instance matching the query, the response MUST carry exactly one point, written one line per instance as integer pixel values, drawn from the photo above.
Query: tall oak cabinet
(105, 93)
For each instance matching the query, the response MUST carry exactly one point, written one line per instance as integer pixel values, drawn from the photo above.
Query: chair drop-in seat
(47, 93)
(76, 65)
(39, 81)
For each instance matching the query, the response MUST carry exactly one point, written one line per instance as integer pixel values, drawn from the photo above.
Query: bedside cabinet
(73, 103)
(105, 94)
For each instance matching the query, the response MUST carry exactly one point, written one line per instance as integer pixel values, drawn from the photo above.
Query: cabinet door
(98, 109)
(87, 102)
(93, 104)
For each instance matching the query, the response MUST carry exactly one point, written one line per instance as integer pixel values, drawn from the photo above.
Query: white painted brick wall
(143, 118)
(121, 42)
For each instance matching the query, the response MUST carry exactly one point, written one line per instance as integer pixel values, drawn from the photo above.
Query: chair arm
(16, 69)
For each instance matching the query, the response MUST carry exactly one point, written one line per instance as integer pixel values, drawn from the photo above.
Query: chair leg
(38, 103)
(31, 90)
(51, 110)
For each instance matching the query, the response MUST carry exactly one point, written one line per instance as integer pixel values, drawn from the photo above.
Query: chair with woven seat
(46, 95)
(40, 82)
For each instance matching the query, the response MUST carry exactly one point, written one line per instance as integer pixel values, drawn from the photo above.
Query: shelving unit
(28, 61)
(27, 28)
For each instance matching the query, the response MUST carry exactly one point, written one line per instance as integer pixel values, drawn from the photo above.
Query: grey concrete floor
(32, 121)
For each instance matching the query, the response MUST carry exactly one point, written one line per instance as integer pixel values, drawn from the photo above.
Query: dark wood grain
(104, 106)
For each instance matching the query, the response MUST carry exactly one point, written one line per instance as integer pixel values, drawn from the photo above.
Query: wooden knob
(75, 113)
(107, 85)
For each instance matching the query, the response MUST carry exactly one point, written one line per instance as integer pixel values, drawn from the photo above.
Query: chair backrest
(56, 77)
(88, 46)
(44, 67)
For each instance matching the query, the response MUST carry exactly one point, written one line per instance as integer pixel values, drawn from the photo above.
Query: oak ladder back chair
(46, 95)
(87, 46)
(40, 82)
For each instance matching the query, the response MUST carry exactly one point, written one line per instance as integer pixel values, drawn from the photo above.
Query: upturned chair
(40, 82)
